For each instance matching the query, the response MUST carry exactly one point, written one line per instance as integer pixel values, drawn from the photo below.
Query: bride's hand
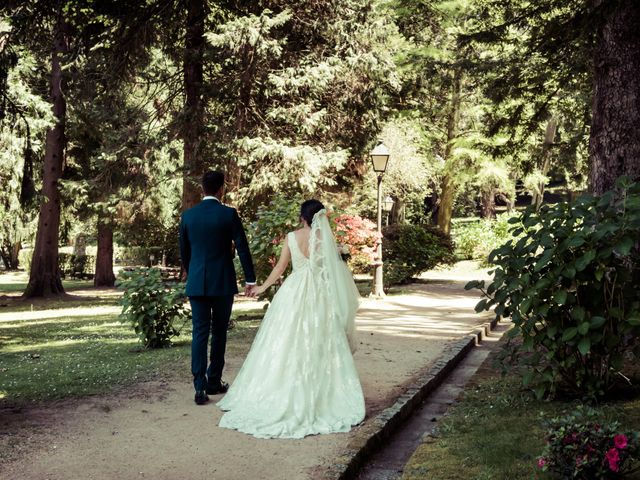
(258, 290)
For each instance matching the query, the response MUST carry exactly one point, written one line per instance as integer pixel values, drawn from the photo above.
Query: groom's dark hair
(309, 208)
(212, 182)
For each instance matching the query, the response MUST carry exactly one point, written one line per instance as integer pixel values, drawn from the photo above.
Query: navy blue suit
(207, 234)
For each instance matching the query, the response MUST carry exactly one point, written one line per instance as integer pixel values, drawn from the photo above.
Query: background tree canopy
(111, 111)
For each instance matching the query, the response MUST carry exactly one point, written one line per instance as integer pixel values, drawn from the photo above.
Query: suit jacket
(206, 234)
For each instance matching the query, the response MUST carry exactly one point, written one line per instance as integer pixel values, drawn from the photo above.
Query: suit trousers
(210, 316)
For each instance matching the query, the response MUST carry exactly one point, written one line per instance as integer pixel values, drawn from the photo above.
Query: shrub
(273, 222)
(70, 265)
(76, 266)
(142, 255)
(477, 239)
(360, 236)
(581, 446)
(409, 250)
(570, 287)
(151, 306)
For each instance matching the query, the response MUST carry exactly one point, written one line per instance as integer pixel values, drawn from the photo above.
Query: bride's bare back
(302, 239)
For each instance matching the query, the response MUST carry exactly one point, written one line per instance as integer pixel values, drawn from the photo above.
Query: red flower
(620, 441)
(541, 462)
(613, 457)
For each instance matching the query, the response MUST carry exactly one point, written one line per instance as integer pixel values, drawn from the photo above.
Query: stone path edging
(372, 435)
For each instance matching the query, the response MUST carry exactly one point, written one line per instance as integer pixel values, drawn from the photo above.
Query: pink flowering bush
(359, 235)
(581, 447)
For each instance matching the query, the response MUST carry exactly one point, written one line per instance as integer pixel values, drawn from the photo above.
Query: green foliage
(475, 240)
(583, 445)
(324, 70)
(152, 306)
(569, 285)
(409, 250)
(266, 233)
(76, 266)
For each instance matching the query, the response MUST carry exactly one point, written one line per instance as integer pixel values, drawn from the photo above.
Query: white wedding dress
(299, 377)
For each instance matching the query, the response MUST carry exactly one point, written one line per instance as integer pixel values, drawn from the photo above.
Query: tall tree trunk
(44, 278)
(549, 137)
(194, 165)
(14, 255)
(398, 213)
(104, 276)
(242, 119)
(449, 184)
(488, 203)
(614, 144)
(9, 253)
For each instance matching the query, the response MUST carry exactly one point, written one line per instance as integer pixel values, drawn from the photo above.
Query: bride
(299, 377)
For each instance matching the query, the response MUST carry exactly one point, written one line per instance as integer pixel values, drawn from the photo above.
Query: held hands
(254, 290)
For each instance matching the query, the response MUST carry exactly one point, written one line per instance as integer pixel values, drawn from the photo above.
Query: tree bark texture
(104, 276)
(192, 129)
(488, 203)
(448, 185)
(9, 252)
(614, 144)
(44, 278)
(549, 138)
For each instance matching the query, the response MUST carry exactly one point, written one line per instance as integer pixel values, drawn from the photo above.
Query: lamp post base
(378, 285)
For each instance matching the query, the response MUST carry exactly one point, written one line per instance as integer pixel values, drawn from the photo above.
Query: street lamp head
(379, 158)
(387, 204)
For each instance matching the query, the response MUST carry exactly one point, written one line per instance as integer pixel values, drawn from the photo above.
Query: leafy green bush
(142, 255)
(70, 265)
(76, 266)
(477, 239)
(409, 250)
(583, 446)
(151, 306)
(570, 286)
(273, 222)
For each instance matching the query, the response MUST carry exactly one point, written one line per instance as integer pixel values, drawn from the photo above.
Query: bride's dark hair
(309, 208)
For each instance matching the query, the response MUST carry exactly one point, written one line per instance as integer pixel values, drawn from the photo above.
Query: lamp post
(379, 158)
(387, 206)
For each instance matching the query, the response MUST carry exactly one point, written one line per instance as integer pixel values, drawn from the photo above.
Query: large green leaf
(584, 345)
(569, 333)
(560, 297)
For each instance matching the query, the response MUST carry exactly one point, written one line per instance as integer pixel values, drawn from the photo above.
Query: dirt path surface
(157, 431)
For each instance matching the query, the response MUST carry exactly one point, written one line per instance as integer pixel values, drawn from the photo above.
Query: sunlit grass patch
(68, 355)
(496, 432)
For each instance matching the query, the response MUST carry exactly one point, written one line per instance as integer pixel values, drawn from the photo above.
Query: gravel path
(157, 431)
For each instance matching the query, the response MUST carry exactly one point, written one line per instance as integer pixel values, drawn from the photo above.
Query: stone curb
(373, 435)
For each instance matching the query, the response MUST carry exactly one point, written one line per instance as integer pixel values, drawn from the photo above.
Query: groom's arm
(242, 247)
(185, 247)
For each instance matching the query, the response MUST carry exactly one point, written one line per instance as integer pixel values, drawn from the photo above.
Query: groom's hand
(248, 290)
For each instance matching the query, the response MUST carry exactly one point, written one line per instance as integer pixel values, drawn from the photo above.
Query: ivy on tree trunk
(449, 184)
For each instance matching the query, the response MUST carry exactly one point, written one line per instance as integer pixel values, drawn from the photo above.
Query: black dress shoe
(222, 387)
(201, 397)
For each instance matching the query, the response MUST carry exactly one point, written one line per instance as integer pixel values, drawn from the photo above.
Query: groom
(207, 234)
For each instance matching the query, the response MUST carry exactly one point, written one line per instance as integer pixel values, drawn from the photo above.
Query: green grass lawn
(496, 432)
(68, 347)
(15, 282)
